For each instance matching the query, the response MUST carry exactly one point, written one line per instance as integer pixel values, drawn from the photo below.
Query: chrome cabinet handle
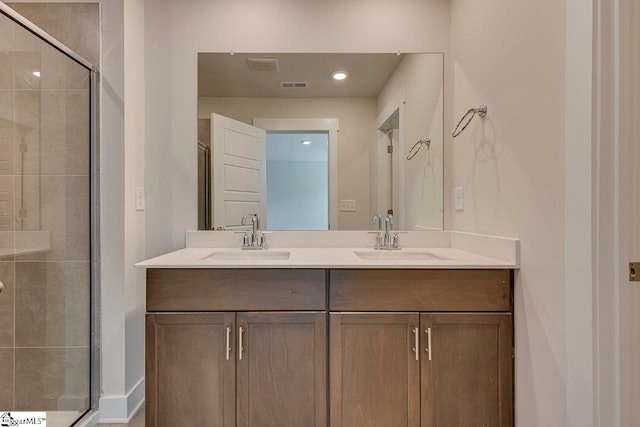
(228, 342)
(428, 349)
(240, 347)
(417, 337)
(1, 287)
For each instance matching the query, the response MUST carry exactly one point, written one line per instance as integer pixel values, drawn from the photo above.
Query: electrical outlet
(459, 198)
(139, 198)
(347, 205)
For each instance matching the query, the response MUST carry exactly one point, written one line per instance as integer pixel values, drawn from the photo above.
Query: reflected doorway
(297, 181)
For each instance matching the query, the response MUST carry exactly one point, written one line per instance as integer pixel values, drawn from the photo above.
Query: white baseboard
(116, 409)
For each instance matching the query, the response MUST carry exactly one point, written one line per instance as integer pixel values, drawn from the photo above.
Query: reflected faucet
(255, 240)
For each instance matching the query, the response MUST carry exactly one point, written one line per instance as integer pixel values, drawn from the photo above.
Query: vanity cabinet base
(388, 348)
(189, 381)
(466, 369)
(236, 369)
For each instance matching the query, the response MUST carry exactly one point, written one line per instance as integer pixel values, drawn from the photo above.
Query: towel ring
(480, 111)
(417, 146)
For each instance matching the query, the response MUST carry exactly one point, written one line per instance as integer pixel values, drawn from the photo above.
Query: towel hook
(480, 111)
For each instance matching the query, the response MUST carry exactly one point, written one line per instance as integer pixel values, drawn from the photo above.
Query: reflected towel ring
(480, 111)
(417, 146)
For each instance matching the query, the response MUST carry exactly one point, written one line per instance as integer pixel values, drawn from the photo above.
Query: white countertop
(464, 251)
(321, 258)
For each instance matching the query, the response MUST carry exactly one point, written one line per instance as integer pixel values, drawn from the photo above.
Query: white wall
(421, 78)
(511, 56)
(135, 245)
(177, 31)
(123, 228)
(356, 138)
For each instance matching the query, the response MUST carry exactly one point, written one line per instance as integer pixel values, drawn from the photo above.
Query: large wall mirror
(320, 141)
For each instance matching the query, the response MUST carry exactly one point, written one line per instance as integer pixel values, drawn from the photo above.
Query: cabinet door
(282, 369)
(375, 374)
(467, 370)
(190, 370)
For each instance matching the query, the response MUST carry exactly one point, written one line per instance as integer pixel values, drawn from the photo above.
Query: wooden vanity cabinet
(190, 381)
(375, 377)
(462, 372)
(466, 369)
(403, 348)
(234, 367)
(282, 371)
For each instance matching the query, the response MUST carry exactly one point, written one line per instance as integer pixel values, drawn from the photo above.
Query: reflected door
(239, 171)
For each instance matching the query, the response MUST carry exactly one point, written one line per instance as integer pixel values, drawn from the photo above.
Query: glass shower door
(45, 228)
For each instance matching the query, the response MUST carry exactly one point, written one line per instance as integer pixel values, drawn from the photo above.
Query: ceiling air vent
(294, 85)
(263, 64)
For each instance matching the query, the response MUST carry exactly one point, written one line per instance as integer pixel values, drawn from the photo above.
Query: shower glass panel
(45, 228)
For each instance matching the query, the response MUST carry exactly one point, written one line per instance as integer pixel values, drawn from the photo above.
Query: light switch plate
(459, 199)
(139, 198)
(347, 205)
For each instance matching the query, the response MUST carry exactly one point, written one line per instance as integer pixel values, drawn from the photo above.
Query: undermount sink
(234, 255)
(398, 255)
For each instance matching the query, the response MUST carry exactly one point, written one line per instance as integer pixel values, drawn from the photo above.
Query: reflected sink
(400, 255)
(239, 255)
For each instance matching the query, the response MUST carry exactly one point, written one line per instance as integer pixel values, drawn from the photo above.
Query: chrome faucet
(388, 241)
(256, 240)
(388, 226)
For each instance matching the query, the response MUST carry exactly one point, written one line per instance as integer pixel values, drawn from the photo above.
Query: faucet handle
(396, 241)
(377, 221)
(378, 243)
(262, 239)
(246, 238)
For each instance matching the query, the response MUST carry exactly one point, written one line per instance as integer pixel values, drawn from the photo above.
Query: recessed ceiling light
(340, 75)
(36, 73)
(306, 142)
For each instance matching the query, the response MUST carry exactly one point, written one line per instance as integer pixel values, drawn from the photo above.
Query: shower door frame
(94, 211)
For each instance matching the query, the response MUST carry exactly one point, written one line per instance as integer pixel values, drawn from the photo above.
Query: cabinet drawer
(235, 290)
(420, 290)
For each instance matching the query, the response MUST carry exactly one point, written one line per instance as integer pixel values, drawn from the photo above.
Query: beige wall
(422, 79)
(511, 56)
(54, 17)
(356, 138)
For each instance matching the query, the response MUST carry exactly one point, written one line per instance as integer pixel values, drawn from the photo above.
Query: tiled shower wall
(44, 212)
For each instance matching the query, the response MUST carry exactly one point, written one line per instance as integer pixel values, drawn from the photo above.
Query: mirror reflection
(320, 141)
